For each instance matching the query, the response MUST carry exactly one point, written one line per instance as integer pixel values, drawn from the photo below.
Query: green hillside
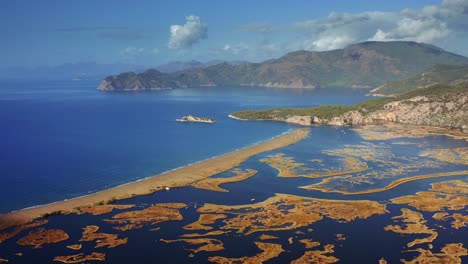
(450, 74)
(367, 106)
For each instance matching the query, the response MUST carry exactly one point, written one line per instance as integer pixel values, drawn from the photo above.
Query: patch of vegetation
(435, 90)
(328, 112)
(52, 214)
(110, 201)
(439, 73)
(283, 113)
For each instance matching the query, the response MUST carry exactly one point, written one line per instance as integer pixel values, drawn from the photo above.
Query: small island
(190, 118)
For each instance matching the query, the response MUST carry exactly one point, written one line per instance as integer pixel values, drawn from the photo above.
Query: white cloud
(184, 36)
(133, 51)
(253, 52)
(331, 22)
(430, 24)
(329, 42)
(235, 49)
(380, 36)
(444, 25)
(420, 30)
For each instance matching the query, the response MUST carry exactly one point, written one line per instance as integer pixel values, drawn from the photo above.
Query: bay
(64, 139)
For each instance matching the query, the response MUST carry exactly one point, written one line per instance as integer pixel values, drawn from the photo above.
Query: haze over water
(63, 139)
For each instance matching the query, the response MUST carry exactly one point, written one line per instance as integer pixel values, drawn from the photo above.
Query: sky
(151, 32)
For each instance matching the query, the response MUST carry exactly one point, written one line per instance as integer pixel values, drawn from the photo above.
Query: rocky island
(190, 118)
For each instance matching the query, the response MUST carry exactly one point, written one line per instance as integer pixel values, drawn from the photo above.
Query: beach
(175, 178)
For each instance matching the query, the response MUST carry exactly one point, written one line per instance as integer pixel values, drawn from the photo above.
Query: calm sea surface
(63, 139)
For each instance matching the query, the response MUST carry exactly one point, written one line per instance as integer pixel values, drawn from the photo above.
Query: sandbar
(201, 244)
(286, 212)
(41, 236)
(267, 237)
(316, 186)
(268, 251)
(80, 258)
(102, 239)
(412, 223)
(175, 178)
(450, 253)
(308, 243)
(212, 184)
(153, 215)
(318, 256)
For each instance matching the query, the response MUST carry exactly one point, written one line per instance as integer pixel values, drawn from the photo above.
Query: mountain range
(363, 65)
(175, 66)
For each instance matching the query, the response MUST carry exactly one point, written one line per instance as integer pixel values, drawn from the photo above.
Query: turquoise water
(64, 139)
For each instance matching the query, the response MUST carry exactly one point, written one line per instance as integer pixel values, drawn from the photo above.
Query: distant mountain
(363, 65)
(175, 66)
(440, 73)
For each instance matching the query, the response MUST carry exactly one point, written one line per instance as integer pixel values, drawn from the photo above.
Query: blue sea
(61, 140)
(64, 139)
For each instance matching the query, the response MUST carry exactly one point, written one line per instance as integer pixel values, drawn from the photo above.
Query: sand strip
(176, 178)
(386, 188)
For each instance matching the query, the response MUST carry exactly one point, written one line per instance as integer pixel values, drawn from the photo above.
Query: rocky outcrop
(190, 118)
(449, 110)
(300, 120)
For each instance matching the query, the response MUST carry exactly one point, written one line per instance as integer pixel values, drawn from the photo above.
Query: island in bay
(190, 118)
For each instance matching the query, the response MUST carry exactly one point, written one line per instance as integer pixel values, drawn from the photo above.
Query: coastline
(236, 118)
(175, 178)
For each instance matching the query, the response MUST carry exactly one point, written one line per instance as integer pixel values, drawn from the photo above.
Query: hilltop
(362, 65)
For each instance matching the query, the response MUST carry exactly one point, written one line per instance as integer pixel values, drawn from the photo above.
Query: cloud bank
(184, 36)
(444, 25)
(429, 24)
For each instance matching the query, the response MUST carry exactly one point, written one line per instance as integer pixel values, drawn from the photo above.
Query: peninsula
(175, 178)
(440, 105)
(190, 118)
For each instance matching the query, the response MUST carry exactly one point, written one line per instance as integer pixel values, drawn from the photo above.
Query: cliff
(439, 105)
(362, 65)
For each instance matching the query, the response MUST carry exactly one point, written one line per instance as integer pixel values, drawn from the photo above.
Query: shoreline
(142, 179)
(179, 177)
(454, 132)
(389, 186)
